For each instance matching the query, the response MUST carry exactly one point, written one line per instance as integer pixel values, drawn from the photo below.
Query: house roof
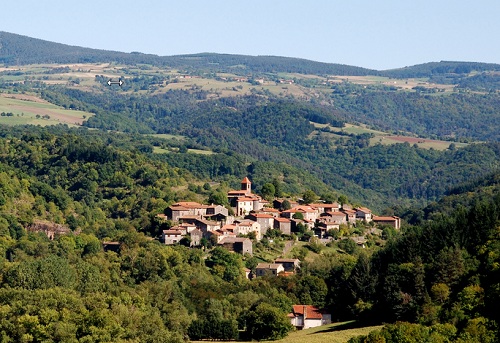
(196, 232)
(364, 209)
(385, 219)
(291, 260)
(311, 312)
(189, 204)
(262, 215)
(300, 209)
(246, 199)
(347, 211)
(283, 220)
(269, 266)
(334, 205)
(234, 240)
(172, 232)
(237, 192)
(178, 208)
(247, 223)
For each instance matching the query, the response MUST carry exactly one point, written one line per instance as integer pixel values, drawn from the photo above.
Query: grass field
(166, 136)
(333, 333)
(26, 109)
(385, 138)
(421, 142)
(157, 150)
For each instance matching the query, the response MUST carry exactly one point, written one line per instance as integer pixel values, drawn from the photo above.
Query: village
(254, 216)
(250, 219)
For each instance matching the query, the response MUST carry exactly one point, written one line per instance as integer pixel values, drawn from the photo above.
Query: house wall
(244, 207)
(171, 239)
(311, 323)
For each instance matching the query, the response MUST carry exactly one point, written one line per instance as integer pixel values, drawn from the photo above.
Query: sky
(377, 34)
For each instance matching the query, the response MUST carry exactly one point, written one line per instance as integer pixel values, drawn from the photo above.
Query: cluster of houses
(253, 216)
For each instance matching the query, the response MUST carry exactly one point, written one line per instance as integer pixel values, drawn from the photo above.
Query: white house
(308, 316)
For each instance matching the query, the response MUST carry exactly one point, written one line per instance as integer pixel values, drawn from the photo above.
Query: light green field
(420, 142)
(333, 333)
(166, 136)
(26, 108)
(385, 138)
(157, 150)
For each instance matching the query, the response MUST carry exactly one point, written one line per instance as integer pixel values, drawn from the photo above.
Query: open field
(333, 333)
(29, 109)
(157, 150)
(421, 142)
(385, 138)
(166, 136)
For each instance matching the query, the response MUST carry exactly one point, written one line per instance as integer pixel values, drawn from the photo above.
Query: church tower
(246, 185)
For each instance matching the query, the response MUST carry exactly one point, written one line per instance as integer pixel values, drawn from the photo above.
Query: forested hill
(439, 68)
(19, 50)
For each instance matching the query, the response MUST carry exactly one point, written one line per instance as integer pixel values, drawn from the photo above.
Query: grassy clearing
(158, 150)
(420, 142)
(333, 333)
(166, 136)
(26, 109)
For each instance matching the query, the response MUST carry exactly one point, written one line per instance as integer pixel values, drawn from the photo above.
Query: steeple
(246, 185)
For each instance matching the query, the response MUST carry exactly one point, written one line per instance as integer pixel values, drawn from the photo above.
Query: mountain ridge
(18, 49)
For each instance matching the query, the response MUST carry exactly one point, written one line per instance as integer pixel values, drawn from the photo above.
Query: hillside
(81, 257)
(20, 50)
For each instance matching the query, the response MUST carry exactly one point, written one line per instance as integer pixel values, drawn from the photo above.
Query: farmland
(30, 109)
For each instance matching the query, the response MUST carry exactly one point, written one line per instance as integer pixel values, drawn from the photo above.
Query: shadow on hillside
(340, 327)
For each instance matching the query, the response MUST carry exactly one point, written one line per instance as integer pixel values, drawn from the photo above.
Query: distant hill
(440, 68)
(462, 195)
(19, 50)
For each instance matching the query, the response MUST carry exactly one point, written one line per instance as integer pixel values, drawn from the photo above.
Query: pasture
(30, 109)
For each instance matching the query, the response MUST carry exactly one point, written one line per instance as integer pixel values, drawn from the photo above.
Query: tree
(268, 191)
(278, 192)
(285, 205)
(218, 198)
(342, 199)
(267, 322)
(309, 197)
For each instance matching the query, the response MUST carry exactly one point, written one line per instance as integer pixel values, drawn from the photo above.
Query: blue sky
(379, 34)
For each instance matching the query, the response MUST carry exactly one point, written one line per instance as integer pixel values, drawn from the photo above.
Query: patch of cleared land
(333, 333)
(26, 108)
(385, 138)
(157, 150)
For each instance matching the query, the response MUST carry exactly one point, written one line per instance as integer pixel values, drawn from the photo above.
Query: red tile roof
(262, 215)
(364, 209)
(246, 180)
(385, 219)
(312, 312)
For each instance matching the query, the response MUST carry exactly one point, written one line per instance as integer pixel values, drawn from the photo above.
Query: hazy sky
(379, 34)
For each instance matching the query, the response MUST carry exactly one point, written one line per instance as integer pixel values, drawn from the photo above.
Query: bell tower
(246, 185)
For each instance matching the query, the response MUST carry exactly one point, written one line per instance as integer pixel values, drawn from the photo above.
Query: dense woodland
(262, 129)
(436, 280)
